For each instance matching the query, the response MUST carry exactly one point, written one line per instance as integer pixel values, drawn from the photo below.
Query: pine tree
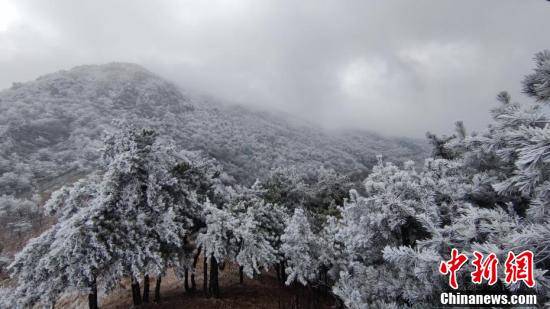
(259, 237)
(537, 84)
(300, 247)
(135, 218)
(485, 191)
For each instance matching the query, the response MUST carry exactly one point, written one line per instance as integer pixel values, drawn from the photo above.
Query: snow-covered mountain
(51, 128)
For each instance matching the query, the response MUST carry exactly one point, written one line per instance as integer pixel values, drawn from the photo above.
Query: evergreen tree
(300, 247)
(134, 219)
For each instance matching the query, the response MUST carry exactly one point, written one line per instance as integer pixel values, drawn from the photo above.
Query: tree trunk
(214, 286)
(186, 281)
(92, 297)
(195, 260)
(241, 275)
(157, 289)
(193, 284)
(325, 280)
(205, 276)
(278, 271)
(146, 289)
(136, 293)
(283, 272)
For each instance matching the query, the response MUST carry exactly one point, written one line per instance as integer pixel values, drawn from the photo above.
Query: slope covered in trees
(53, 126)
(51, 130)
(487, 192)
(151, 206)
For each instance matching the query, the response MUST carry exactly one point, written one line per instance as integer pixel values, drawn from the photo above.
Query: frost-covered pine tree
(537, 84)
(200, 184)
(133, 219)
(484, 191)
(243, 229)
(325, 191)
(159, 193)
(399, 209)
(218, 240)
(517, 148)
(259, 236)
(301, 249)
(285, 187)
(65, 258)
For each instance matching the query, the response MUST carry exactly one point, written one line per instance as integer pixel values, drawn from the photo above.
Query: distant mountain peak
(53, 126)
(113, 71)
(108, 71)
(115, 85)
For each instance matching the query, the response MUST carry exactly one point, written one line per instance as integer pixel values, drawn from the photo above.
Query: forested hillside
(54, 125)
(51, 131)
(149, 206)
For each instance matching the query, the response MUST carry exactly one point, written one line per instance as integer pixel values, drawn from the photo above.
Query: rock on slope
(51, 128)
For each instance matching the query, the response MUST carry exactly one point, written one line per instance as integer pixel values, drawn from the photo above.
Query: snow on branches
(152, 206)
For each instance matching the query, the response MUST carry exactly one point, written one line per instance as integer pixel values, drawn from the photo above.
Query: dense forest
(51, 130)
(148, 204)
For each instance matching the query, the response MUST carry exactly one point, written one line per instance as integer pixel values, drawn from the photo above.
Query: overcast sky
(396, 67)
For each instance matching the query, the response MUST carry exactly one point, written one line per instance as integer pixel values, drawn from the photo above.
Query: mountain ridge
(54, 124)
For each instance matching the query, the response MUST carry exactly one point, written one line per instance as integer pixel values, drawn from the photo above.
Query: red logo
(452, 266)
(485, 269)
(520, 268)
(517, 268)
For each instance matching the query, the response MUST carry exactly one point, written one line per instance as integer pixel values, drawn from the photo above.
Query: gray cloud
(397, 67)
